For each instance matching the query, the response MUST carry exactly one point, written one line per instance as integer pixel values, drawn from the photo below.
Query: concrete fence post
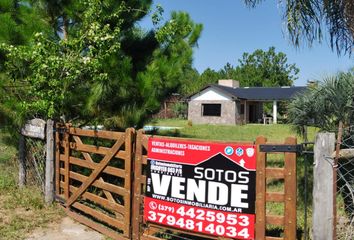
(323, 186)
(22, 161)
(49, 164)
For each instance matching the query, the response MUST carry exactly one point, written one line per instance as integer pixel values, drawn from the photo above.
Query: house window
(211, 110)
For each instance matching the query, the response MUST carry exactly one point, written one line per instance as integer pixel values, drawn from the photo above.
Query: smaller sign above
(34, 128)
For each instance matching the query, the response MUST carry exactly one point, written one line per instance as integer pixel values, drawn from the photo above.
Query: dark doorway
(252, 118)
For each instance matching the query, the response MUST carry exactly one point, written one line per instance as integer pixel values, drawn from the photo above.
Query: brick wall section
(228, 113)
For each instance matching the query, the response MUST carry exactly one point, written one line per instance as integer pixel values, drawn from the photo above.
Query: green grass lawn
(248, 132)
(21, 210)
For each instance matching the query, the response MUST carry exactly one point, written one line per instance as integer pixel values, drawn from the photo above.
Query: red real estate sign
(201, 187)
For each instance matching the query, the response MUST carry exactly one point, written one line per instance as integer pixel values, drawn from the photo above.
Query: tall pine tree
(101, 68)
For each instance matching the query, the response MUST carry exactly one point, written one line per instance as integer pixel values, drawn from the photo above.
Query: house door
(252, 114)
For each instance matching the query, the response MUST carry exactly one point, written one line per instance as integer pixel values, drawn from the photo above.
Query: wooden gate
(93, 178)
(267, 174)
(100, 180)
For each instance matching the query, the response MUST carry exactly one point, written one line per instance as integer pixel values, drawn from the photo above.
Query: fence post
(290, 191)
(323, 186)
(22, 161)
(136, 192)
(261, 190)
(49, 164)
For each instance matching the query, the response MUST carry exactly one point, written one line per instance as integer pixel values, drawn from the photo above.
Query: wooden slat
(277, 173)
(98, 227)
(275, 197)
(113, 206)
(101, 216)
(97, 171)
(98, 150)
(128, 179)
(260, 190)
(290, 192)
(144, 141)
(144, 159)
(143, 179)
(137, 198)
(57, 161)
(66, 163)
(103, 185)
(100, 134)
(274, 238)
(275, 220)
(92, 165)
(61, 143)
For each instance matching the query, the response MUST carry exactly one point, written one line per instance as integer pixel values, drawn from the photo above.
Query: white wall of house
(210, 94)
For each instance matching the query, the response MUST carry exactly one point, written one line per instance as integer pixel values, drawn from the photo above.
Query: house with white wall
(228, 103)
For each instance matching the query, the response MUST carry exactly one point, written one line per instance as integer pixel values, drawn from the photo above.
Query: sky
(231, 28)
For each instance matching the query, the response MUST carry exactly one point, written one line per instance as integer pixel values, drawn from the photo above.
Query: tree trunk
(65, 27)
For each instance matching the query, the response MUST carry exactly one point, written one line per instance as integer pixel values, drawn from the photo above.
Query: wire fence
(345, 186)
(35, 157)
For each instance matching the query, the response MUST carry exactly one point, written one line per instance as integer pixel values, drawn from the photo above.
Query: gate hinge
(281, 148)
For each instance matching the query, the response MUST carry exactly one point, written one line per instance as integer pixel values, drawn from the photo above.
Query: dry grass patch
(21, 209)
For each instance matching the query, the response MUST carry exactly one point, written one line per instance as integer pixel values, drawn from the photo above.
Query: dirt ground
(67, 229)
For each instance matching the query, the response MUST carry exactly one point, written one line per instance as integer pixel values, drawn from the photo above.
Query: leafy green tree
(262, 69)
(329, 106)
(257, 69)
(195, 82)
(324, 105)
(55, 74)
(189, 83)
(18, 22)
(228, 71)
(162, 75)
(308, 20)
(60, 15)
(208, 76)
(107, 70)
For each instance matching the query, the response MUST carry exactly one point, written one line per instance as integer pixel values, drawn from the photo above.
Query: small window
(211, 110)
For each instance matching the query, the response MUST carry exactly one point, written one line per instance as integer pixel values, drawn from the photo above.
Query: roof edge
(215, 86)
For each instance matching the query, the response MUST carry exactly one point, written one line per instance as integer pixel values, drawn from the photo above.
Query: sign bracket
(268, 148)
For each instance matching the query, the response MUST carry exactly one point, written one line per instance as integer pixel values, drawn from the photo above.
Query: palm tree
(306, 20)
(329, 106)
(325, 105)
